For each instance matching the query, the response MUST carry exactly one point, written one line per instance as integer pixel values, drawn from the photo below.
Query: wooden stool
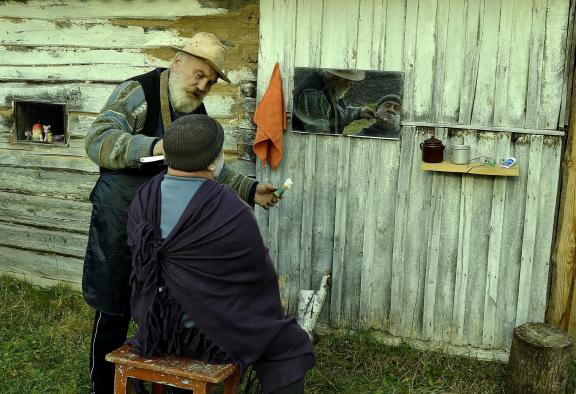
(171, 370)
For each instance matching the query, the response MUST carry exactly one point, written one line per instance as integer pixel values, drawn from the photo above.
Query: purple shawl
(214, 267)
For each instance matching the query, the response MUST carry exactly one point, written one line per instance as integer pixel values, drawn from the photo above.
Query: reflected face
(388, 114)
(191, 78)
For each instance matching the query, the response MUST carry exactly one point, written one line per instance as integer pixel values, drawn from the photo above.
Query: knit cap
(192, 142)
(389, 97)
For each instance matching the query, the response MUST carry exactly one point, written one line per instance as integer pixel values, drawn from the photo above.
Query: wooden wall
(76, 52)
(447, 258)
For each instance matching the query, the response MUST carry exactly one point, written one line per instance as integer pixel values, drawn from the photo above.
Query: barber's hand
(158, 148)
(265, 196)
(367, 113)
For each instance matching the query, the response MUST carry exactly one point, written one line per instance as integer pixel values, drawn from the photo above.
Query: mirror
(347, 102)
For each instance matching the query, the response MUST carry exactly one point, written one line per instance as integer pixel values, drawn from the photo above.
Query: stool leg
(158, 388)
(232, 383)
(120, 380)
(200, 388)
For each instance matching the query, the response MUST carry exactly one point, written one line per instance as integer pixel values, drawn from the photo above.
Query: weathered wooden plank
(45, 269)
(368, 281)
(478, 127)
(63, 9)
(416, 228)
(43, 240)
(280, 46)
(379, 233)
(554, 58)
(393, 55)
(465, 242)
(449, 86)
(514, 212)
(372, 35)
(93, 33)
(94, 65)
(308, 210)
(339, 35)
(518, 66)
(80, 97)
(354, 251)
(439, 68)
(17, 55)
(547, 204)
(530, 229)
(308, 33)
(40, 156)
(535, 63)
(484, 144)
(45, 212)
(267, 56)
(424, 60)
(433, 248)
(91, 97)
(409, 57)
(95, 72)
(483, 105)
(495, 245)
(503, 72)
(289, 215)
(568, 68)
(337, 315)
(40, 182)
(471, 56)
(324, 208)
(400, 230)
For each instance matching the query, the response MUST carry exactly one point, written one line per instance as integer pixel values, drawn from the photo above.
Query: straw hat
(351, 75)
(207, 47)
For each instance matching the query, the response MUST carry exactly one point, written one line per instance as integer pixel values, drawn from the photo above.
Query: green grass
(45, 335)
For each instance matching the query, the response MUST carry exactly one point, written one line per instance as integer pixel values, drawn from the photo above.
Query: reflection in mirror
(350, 102)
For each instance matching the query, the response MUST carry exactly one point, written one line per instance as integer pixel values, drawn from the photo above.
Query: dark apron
(108, 260)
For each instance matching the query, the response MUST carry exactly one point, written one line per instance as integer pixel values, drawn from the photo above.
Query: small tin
(460, 154)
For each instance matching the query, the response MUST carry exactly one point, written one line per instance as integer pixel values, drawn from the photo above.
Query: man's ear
(176, 60)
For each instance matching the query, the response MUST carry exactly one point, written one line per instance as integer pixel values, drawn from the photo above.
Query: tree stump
(539, 360)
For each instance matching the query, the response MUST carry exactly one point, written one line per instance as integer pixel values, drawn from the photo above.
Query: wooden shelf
(472, 168)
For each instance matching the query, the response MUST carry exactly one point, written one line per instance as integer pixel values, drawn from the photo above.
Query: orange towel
(270, 119)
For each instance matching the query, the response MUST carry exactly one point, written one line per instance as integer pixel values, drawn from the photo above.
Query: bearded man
(388, 110)
(319, 105)
(131, 126)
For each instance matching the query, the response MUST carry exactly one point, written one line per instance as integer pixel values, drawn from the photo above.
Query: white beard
(179, 97)
(340, 91)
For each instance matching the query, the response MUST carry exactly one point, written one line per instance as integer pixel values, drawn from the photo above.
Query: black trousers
(108, 334)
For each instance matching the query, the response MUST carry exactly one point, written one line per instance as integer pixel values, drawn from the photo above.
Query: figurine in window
(47, 134)
(37, 132)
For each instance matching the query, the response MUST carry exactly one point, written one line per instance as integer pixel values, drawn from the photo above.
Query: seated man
(387, 124)
(319, 105)
(203, 283)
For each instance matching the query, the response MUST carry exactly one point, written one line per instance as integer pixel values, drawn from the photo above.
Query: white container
(460, 154)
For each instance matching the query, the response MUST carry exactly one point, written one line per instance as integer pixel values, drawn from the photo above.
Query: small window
(40, 122)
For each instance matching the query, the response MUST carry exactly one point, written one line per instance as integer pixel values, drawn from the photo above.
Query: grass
(45, 335)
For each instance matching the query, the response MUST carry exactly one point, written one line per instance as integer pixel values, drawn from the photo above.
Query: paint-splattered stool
(173, 371)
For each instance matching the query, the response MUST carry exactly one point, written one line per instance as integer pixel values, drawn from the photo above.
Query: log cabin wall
(77, 52)
(449, 259)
